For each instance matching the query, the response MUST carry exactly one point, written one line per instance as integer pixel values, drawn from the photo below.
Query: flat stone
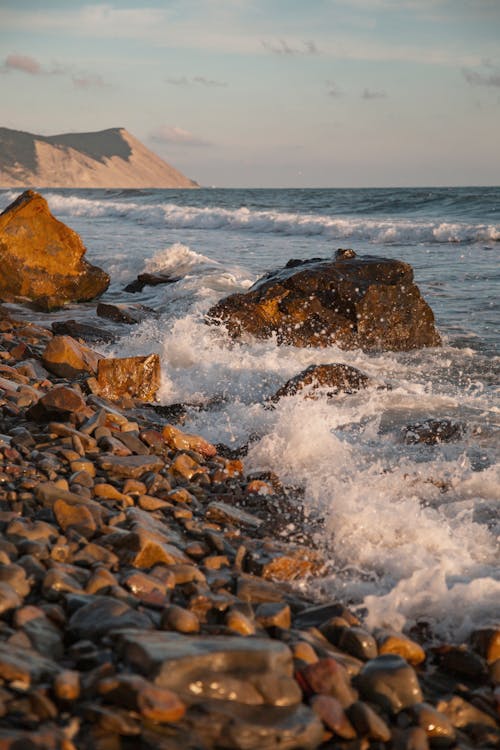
(390, 682)
(224, 513)
(24, 665)
(367, 723)
(129, 466)
(44, 635)
(104, 614)
(284, 562)
(183, 441)
(137, 694)
(217, 667)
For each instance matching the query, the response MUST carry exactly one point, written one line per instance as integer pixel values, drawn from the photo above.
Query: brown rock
(129, 466)
(284, 563)
(274, 614)
(121, 313)
(137, 694)
(333, 379)
(182, 441)
(68, 358)
(42, 259)
(67, 685)
(76, 517)
(180, 619)
(59, 403)
(390, 642)
(333, 716)
(328, 677)
(136, 377)
(390, 682)
(367, 722)
(486, 641)
(367, 302)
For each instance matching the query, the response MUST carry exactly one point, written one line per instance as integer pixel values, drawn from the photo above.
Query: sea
(410, 532)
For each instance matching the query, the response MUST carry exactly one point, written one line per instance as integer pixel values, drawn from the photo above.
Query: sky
(268, 93)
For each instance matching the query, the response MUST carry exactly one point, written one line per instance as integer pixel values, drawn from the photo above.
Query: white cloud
(174, 135)
(488, 77)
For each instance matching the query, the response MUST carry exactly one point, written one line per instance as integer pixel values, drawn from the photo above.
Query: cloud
(88, 80)
(282, 47)
(22, 63)
(489, 77)
(195, 81)
(176, 136)
(368, 94)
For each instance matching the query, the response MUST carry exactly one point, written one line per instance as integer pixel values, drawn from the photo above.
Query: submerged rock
(332, 378)
(42, 258)
(150, 279)
(433, 431)
(366, 302)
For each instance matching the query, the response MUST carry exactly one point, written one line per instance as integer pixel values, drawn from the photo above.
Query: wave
(387, 231)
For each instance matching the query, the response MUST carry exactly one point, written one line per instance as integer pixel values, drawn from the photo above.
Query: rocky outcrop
(103, 159)
(42, 259)
(134, 377)
(353, 302)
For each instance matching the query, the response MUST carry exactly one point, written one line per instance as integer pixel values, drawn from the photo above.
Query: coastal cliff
(110, 158)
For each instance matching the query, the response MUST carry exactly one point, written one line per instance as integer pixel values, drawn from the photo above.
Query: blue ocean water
(411, 532)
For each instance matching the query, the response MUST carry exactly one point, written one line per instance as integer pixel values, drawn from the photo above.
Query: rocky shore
(149, 585)
(147, 592)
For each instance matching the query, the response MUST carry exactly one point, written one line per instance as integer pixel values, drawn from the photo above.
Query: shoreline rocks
(147, 597)
(362, 302)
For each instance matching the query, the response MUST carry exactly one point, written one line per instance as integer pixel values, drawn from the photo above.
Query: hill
(110, 158)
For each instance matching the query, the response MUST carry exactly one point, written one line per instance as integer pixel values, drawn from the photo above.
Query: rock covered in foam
(42, 259)
(353, 302)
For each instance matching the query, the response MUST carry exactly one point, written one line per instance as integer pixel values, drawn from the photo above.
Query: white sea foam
(350, 228)
(178, 259)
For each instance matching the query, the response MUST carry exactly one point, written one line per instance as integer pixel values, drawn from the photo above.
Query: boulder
(120, 313)
(352, 302)
(66, 357)
(150, 279)
(42, 258)
(136, 377)
(333, 379)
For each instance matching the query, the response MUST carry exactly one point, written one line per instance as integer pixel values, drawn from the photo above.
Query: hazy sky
(268, 92)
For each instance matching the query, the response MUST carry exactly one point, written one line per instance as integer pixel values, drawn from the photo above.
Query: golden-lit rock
(66, 357)
(42, 259)
(135, 377)
(182, 441)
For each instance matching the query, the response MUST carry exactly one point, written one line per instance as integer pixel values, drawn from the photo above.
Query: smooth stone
(239, 622)
(322, 613)
(486, 641)
(461, 713)
(9, 598)
(218, 667)
(15, 575)
(137, 694)
(129, 466)
(67, 685)
(281, 562)
(274, 614)
(58, 403)
(390, 682)
(390, 642)
(45, 637)
(183, 441)
(25, 665)
(180, 619)
(186, 467)
(462, 661)
(333, 716)
(104, 614)
(367, 723)
(358, 642)
(326, 676)
(76, 517)
(67, 358)
(150, 279)
(435, 723)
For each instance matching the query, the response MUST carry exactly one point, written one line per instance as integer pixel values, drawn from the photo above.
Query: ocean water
(411, 532)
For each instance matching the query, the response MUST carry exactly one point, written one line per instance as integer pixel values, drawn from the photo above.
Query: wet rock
(390, 682)
(103, 614)
(284, 562)
(436, 724)
(367, 723)
(332, 379)
(24, 665)
(274, 614)
(82, 331)
(76, 517)
(333, 716)
(180, 619)
(462, 661)
(486, 641)
(129, 466)
(390, 642)
(58, 403)
(433, 431)
(365, 302)
(67, 358)
(463, 714)
(150, 279)
(358, 642)
(137, 694)
(224, 513)
(67, 685)
(42, 259)
(121, 313)
(211, 667)
(182, 441)
(45, 637)
(326, 676)
(136, 377)
(9, 598)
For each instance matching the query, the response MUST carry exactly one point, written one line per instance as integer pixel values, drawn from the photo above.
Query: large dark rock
(334, 379)
(354, 302)
(42, 259)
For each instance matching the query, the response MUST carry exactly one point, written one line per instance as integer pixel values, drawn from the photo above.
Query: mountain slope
(110, 158)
